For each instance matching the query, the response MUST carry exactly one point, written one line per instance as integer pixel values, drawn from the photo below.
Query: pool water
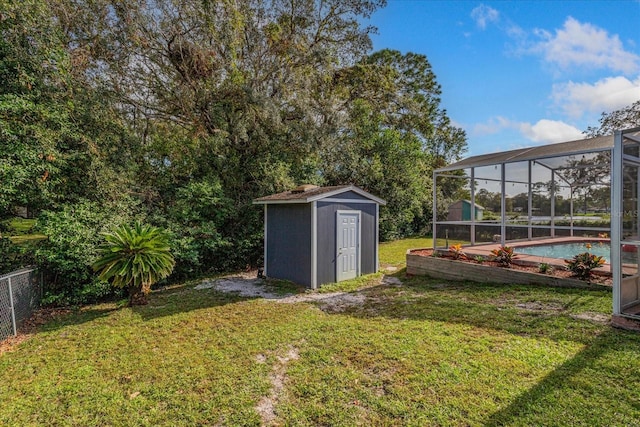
(567, 250)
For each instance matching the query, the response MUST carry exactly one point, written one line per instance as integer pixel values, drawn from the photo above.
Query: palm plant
(135, 258)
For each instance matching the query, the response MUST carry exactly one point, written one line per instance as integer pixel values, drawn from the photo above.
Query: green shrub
(504, 256)
(545, 268)
(583, 264)
(71, 248)
(14, 257)
(208, 234)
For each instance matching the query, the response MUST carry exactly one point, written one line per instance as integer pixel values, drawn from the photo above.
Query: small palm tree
(136, 258)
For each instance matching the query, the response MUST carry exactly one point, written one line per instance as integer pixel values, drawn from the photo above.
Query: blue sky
(521, 73)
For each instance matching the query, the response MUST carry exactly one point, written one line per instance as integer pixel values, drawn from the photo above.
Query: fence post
(13, 311)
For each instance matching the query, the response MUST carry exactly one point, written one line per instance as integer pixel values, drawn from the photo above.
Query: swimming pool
(567, 250)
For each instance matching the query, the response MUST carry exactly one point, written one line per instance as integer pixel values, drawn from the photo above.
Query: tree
(53, 125)
(135, 258)
(33, 72)
(624, 118)
(393, 136)
(383, 161)
(404, 90)
(246, 79)
(237, 93)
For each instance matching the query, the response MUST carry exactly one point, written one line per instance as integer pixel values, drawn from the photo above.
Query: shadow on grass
(542, 398)
(400, 274)
(510, 309)
(163, 302)
(507, 308)
(47, 321)
(185, 298)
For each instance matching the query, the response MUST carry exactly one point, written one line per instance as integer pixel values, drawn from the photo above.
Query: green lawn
(393, 253)
(19, 230)
(19, 225)
(424, 353)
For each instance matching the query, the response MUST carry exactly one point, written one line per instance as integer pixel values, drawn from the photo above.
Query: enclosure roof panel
(589, 145)
(313, 194)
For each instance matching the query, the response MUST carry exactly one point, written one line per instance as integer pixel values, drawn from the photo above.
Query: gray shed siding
(289, 242)
(326, 217)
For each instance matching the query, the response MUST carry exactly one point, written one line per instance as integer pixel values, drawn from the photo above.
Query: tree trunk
(138, 294)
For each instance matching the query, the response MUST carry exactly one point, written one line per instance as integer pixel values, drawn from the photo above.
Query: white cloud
(515, 31)
(549, 131)
(608, 94)
(584, 44)
(493, 126)
(484, 14)
(542, 132)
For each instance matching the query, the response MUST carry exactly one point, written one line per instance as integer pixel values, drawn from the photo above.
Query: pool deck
(484, 250)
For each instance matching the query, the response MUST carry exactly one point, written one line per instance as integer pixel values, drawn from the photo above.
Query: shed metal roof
(581, 146)
(314, 194)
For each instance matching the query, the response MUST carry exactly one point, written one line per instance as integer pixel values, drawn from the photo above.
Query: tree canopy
(624, 118)
(187, 111)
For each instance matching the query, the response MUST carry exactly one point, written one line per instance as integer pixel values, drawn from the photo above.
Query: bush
(72, 247)
(14, 257)
(545, 268)
(504, 256)
(208, 234)
(583, 264)
(456, 251)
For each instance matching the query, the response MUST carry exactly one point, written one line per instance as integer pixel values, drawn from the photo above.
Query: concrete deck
(485, 249)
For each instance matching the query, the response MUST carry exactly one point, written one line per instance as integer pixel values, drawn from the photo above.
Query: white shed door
(348, 245)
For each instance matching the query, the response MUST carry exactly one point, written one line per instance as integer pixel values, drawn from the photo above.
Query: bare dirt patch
(540, 306)
(243, 286)
(248, 285)
(266, 405)
(334, 302)
(592, 317)
(29, 326)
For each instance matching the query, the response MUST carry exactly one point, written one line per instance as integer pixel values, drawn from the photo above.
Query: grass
(351, 285)
(30, 238)
(393, 253)
(19, 230)
(425, 353)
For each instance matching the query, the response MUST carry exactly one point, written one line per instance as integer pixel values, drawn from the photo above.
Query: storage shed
(315, 235)
(461, 211)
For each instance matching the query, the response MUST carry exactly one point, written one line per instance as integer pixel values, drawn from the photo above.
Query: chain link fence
(20, 294)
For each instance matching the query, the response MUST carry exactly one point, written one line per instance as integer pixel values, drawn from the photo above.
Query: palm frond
(135, 256)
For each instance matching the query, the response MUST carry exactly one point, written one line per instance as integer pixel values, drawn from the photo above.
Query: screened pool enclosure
(582, 188)
(625, 235)
(544, 191)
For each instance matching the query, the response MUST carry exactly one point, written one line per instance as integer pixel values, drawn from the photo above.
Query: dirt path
(248, 285)
(278, 378)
